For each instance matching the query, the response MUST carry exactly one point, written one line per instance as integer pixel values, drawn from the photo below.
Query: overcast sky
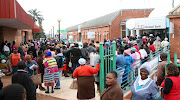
(72, 12)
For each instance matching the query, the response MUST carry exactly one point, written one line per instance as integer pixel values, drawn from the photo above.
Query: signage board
(91, 34)
(171, 29)
(79, 28)
(62, 31)
(147, 23)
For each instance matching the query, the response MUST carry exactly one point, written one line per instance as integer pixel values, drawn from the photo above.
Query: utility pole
(172, 3)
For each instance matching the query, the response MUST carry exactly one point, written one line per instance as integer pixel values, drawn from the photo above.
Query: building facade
(107, 27)
(174, 16)
(15, 23)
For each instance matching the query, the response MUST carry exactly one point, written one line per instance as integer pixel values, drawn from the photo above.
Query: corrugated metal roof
(175, 11)
(100, 21)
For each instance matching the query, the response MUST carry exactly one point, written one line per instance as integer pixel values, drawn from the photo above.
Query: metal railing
(130, 76)
(125, 75)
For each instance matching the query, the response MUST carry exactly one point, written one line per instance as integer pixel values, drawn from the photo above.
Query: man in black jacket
(76, 55)
(22, 77)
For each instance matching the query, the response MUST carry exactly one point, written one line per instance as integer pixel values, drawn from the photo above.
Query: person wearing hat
(85, 80)
(157, 43)
(143, 87)
(134, 57)
(51, 73)
(14, 58)
(4, 67)
(23, 78)
(128, 62)
(165, 43)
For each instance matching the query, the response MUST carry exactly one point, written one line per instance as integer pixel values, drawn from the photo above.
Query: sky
(72, 12)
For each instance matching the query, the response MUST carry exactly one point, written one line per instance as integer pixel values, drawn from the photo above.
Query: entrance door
(80, 38)
(25, 36)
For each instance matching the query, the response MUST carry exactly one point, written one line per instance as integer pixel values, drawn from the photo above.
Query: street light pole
(59, 20)
(53, 31)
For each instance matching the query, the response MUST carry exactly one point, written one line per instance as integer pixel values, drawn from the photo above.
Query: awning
(36, 29)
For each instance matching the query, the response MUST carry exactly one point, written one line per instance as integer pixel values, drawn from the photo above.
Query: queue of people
(51, 60)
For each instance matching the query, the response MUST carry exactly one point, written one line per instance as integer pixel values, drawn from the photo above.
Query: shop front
(158, 26)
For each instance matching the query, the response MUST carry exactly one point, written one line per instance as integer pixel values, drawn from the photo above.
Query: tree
(37, 17)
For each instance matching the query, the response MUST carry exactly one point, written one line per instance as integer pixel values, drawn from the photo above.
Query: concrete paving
(65, 92)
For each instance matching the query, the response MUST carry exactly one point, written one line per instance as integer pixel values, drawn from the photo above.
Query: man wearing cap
(14, 58)
(151, 38)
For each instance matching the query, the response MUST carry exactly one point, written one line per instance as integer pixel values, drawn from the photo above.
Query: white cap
(151, 35)
(82, 61)
(3, 61)
(71, 45)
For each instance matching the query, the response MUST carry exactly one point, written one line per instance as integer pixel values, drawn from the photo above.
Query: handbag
(74, 85)
(70, 64)
(36, 78)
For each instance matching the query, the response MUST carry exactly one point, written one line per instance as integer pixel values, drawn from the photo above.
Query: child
(3, 67)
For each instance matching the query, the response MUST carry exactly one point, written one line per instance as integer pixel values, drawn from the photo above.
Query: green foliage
(37, 17)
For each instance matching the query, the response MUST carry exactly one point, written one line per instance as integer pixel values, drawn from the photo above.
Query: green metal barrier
(108, 63)
(169, 61)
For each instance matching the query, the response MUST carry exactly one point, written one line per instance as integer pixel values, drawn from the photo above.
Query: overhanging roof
(13, 15)
(14, 23)
(175, 11)
(101, 21)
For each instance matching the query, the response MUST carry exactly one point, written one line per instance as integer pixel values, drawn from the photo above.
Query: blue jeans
(14, 69)
(75, 65)
(58, 82)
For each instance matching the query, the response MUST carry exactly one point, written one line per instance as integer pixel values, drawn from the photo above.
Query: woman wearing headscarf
(128, 62)
(85, 80)
(51, 73)
(113, 90)
(144, 88)
(157, 43)
(171, 84)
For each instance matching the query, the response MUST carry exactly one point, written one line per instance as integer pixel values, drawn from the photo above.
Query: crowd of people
(52, 59)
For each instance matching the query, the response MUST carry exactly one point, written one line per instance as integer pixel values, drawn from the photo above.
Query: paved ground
(65, 93)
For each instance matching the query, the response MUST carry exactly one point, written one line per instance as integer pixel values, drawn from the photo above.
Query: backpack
(60, 61)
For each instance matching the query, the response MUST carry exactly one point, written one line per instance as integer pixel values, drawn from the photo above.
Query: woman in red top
(14, 58)
(151, 47)
(171, 83)
(85, 80)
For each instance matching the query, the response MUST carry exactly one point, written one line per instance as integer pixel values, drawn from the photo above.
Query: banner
(91, 34)
(62, 31)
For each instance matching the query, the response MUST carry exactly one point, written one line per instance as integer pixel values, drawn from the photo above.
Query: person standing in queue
(113, 90)
(14, 59)
(171, 84)
(85, 80)
(144, 88)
